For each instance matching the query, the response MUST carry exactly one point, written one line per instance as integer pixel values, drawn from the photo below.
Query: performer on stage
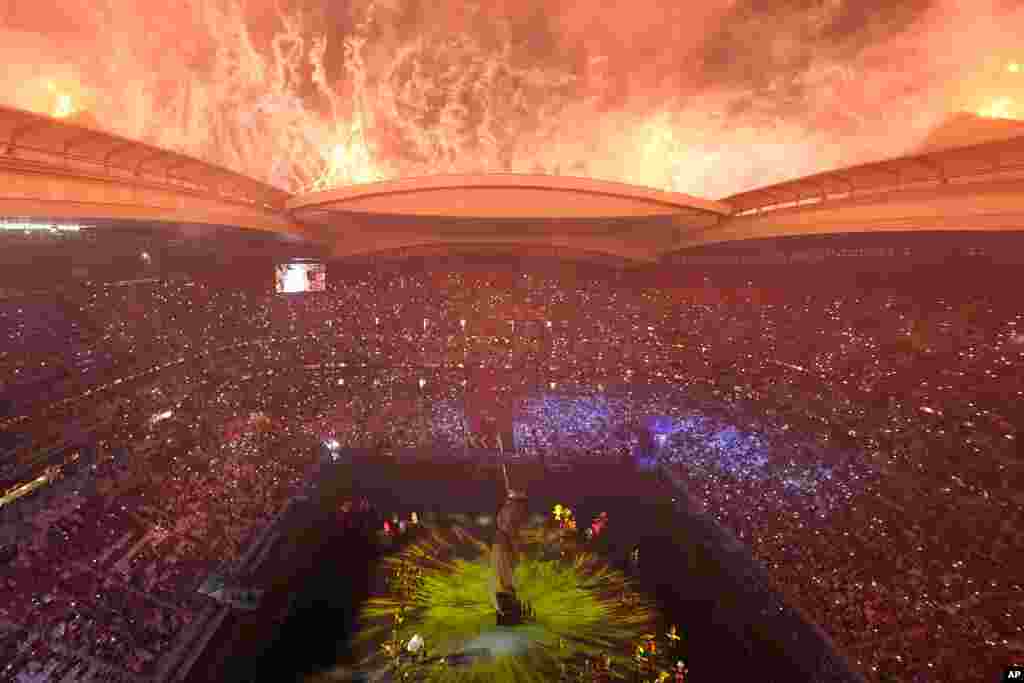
(505, 555)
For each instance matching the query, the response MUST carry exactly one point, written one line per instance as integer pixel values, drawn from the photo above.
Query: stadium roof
(535, 211)
(43, 143)
(502, 195)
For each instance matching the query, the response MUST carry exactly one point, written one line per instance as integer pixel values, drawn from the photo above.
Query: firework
(309, 100)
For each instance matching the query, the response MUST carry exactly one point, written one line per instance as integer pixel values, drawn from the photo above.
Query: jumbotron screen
(300, 277)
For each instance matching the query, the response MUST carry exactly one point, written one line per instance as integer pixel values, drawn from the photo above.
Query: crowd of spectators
(862, 444)
(106, 574)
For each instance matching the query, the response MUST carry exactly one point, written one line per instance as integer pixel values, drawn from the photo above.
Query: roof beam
(933, 164)
(78, 139)
(115, 149)
(23, 130)
(179, 161)
(152, 157)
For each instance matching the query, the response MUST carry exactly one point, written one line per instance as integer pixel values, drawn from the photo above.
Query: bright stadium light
(29, 226)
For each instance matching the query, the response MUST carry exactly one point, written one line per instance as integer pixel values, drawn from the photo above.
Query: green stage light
(441, 585)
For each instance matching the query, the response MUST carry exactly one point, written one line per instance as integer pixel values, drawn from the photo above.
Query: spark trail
(310, 96)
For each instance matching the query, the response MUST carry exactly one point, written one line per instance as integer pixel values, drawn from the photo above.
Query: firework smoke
(707, 101)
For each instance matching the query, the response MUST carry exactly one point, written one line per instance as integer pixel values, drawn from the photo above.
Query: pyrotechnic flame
(999, 108)
(347, 164)
(64, 103)
(661, 153)
(441, 102)
(351, 161)
(65, 106)
(276, 96)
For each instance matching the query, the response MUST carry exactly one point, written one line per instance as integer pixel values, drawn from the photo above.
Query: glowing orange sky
(705, 98)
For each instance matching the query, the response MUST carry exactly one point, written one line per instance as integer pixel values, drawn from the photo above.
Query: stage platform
(711, 589)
